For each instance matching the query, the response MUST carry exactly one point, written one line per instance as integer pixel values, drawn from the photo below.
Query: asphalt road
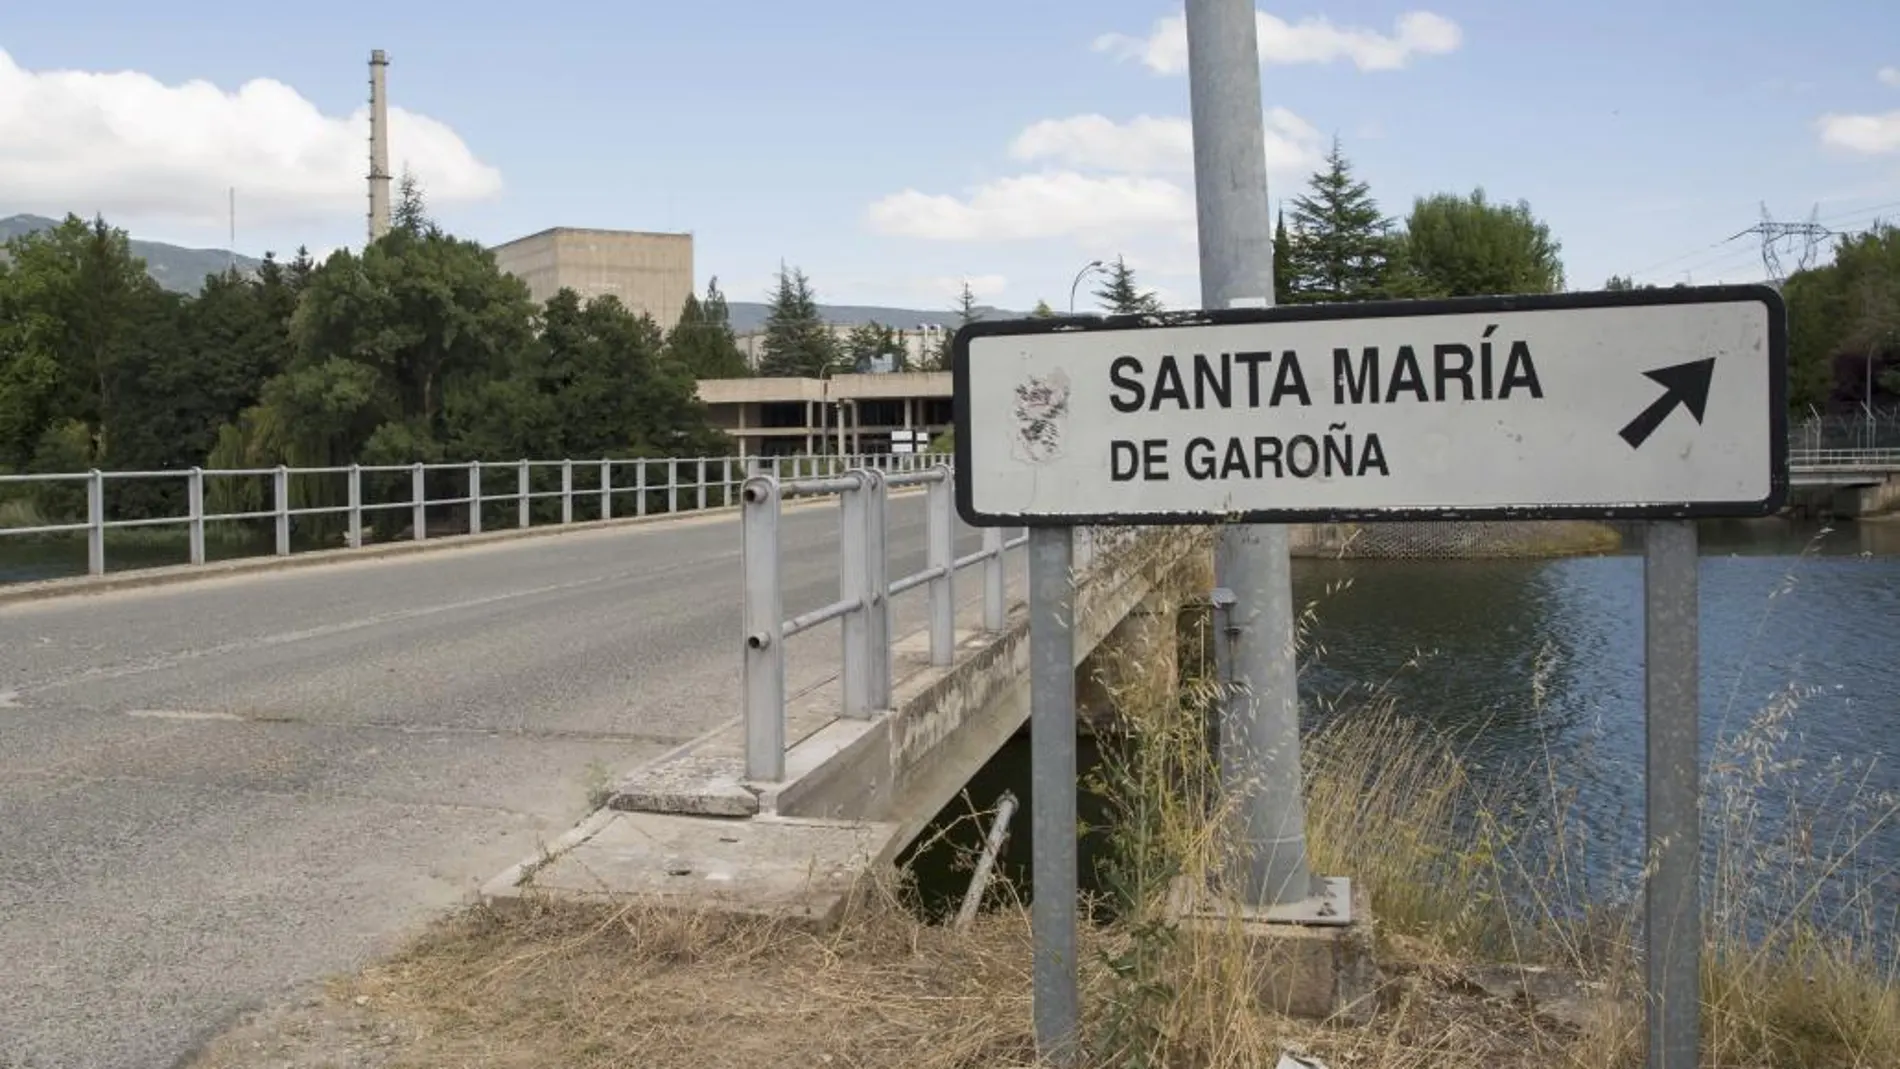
(214, 793)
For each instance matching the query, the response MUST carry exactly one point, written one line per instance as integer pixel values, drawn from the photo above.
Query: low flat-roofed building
(835, 414)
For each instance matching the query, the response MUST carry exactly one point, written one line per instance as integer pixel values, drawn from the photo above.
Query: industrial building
(649, 272)
(835, 414)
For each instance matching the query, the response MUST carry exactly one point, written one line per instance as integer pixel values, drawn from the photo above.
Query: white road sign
(1652, 403)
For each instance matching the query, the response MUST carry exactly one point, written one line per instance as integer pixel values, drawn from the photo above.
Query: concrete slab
(763, 866)
(1323, 971)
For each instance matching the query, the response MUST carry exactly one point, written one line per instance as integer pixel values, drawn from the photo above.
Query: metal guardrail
(1843, 459)
(864, 594)
(693, 478)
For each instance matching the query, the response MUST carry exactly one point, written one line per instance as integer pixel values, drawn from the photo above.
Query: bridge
(224, 780)
(1845, 482)
(734, 681)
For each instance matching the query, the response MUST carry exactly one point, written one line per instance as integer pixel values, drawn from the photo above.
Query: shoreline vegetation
(1492, 950)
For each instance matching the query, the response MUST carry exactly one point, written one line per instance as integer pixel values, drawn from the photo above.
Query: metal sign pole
(1052, 786)
(1672, 818)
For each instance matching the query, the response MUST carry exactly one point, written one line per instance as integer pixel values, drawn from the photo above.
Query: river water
(1533, 670)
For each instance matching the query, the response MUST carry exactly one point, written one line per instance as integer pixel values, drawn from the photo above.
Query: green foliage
(1847, 312)
(417, 349)
(868, 341)
(966, 306)
(1043, 311)
(1468, 246)
(702, 344)
(797, 340)
(1119, 294)
(1337, 249)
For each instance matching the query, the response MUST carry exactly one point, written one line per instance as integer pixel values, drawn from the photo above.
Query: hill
(171, 266)
(183, 270)
(749, 316)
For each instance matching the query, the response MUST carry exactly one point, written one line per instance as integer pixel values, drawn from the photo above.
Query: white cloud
(1311, 40)
(1889, 76)
(1869, 134)
(1044, 205)
(1150, 145)
(124, 144)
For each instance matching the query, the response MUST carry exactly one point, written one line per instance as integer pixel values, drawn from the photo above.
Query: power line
(1801, 239)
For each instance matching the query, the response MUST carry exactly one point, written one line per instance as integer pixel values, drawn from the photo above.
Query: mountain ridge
(183, 270)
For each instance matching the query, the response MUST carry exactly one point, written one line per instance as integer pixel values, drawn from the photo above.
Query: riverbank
(1463, 894)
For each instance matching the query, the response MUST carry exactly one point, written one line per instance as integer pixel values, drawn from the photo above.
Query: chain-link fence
(1859, 430)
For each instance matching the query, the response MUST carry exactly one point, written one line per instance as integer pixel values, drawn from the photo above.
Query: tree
(1621, 284)
(1844, 325)
(1120, 295)
(869, 341)
(83, 326)
(1468, 246)
(1338, 247)
(702, 343)
(967, 312)
(409, 212)
(1043, 311)
(1283, 257)
(797, 340)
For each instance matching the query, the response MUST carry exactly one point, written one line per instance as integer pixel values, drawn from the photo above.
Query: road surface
(213, 793)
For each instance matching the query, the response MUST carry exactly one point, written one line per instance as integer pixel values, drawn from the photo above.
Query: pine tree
(797, 340)
(1043, 311)
(966, 306)
(1121, 296)
(868, 341)
(1337, 251)
(701, 344)
(410, 213)
(1282, 262)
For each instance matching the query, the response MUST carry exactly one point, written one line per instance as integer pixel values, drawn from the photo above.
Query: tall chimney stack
(378, 145)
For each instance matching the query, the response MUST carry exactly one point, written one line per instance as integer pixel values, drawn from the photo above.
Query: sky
(894, 151)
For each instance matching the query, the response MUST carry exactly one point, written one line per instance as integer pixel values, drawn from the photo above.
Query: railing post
(640, 487)
(702, 484)
(474, 497)
(95, 522)
(764, 634)
(524, 484)
(942, 558)
(419, 498)
(993, 604)
(854, 582)
(356, 506)
(878, 572)
(672, 485)
(725, 482)
(606, 489)
(567, 491)
(280, 493)
(195, 509)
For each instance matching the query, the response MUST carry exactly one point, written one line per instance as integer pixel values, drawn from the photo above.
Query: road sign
(1663, 403)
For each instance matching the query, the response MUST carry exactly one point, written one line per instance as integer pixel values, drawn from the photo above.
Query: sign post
(1656, 405)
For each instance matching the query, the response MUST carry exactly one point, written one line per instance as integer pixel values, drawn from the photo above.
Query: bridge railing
(1865, 459)
(865, 590)
(658, 485)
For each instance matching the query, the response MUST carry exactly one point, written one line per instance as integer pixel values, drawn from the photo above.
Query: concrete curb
(509, 883)
(170, 575)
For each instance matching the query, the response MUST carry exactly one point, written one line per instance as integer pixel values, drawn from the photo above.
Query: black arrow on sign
(1683, 384)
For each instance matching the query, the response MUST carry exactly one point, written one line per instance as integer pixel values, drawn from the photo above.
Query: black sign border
(1681, 295)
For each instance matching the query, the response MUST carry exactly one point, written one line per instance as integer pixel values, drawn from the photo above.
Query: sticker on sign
(1636, 404)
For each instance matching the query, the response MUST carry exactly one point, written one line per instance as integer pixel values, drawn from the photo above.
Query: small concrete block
(762, 867)
(693, 784)
(1317, 971)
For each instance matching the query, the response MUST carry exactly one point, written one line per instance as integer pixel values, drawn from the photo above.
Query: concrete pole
(1260, 729)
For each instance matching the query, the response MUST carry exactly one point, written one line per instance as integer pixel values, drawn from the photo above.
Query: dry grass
(1452, 887)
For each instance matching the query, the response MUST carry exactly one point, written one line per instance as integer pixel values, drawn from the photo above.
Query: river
(1533, 670)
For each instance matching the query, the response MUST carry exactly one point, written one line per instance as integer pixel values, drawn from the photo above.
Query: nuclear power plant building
(649, 272)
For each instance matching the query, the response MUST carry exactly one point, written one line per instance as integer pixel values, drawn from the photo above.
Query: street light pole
(1092, 265)
(1260, 726)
